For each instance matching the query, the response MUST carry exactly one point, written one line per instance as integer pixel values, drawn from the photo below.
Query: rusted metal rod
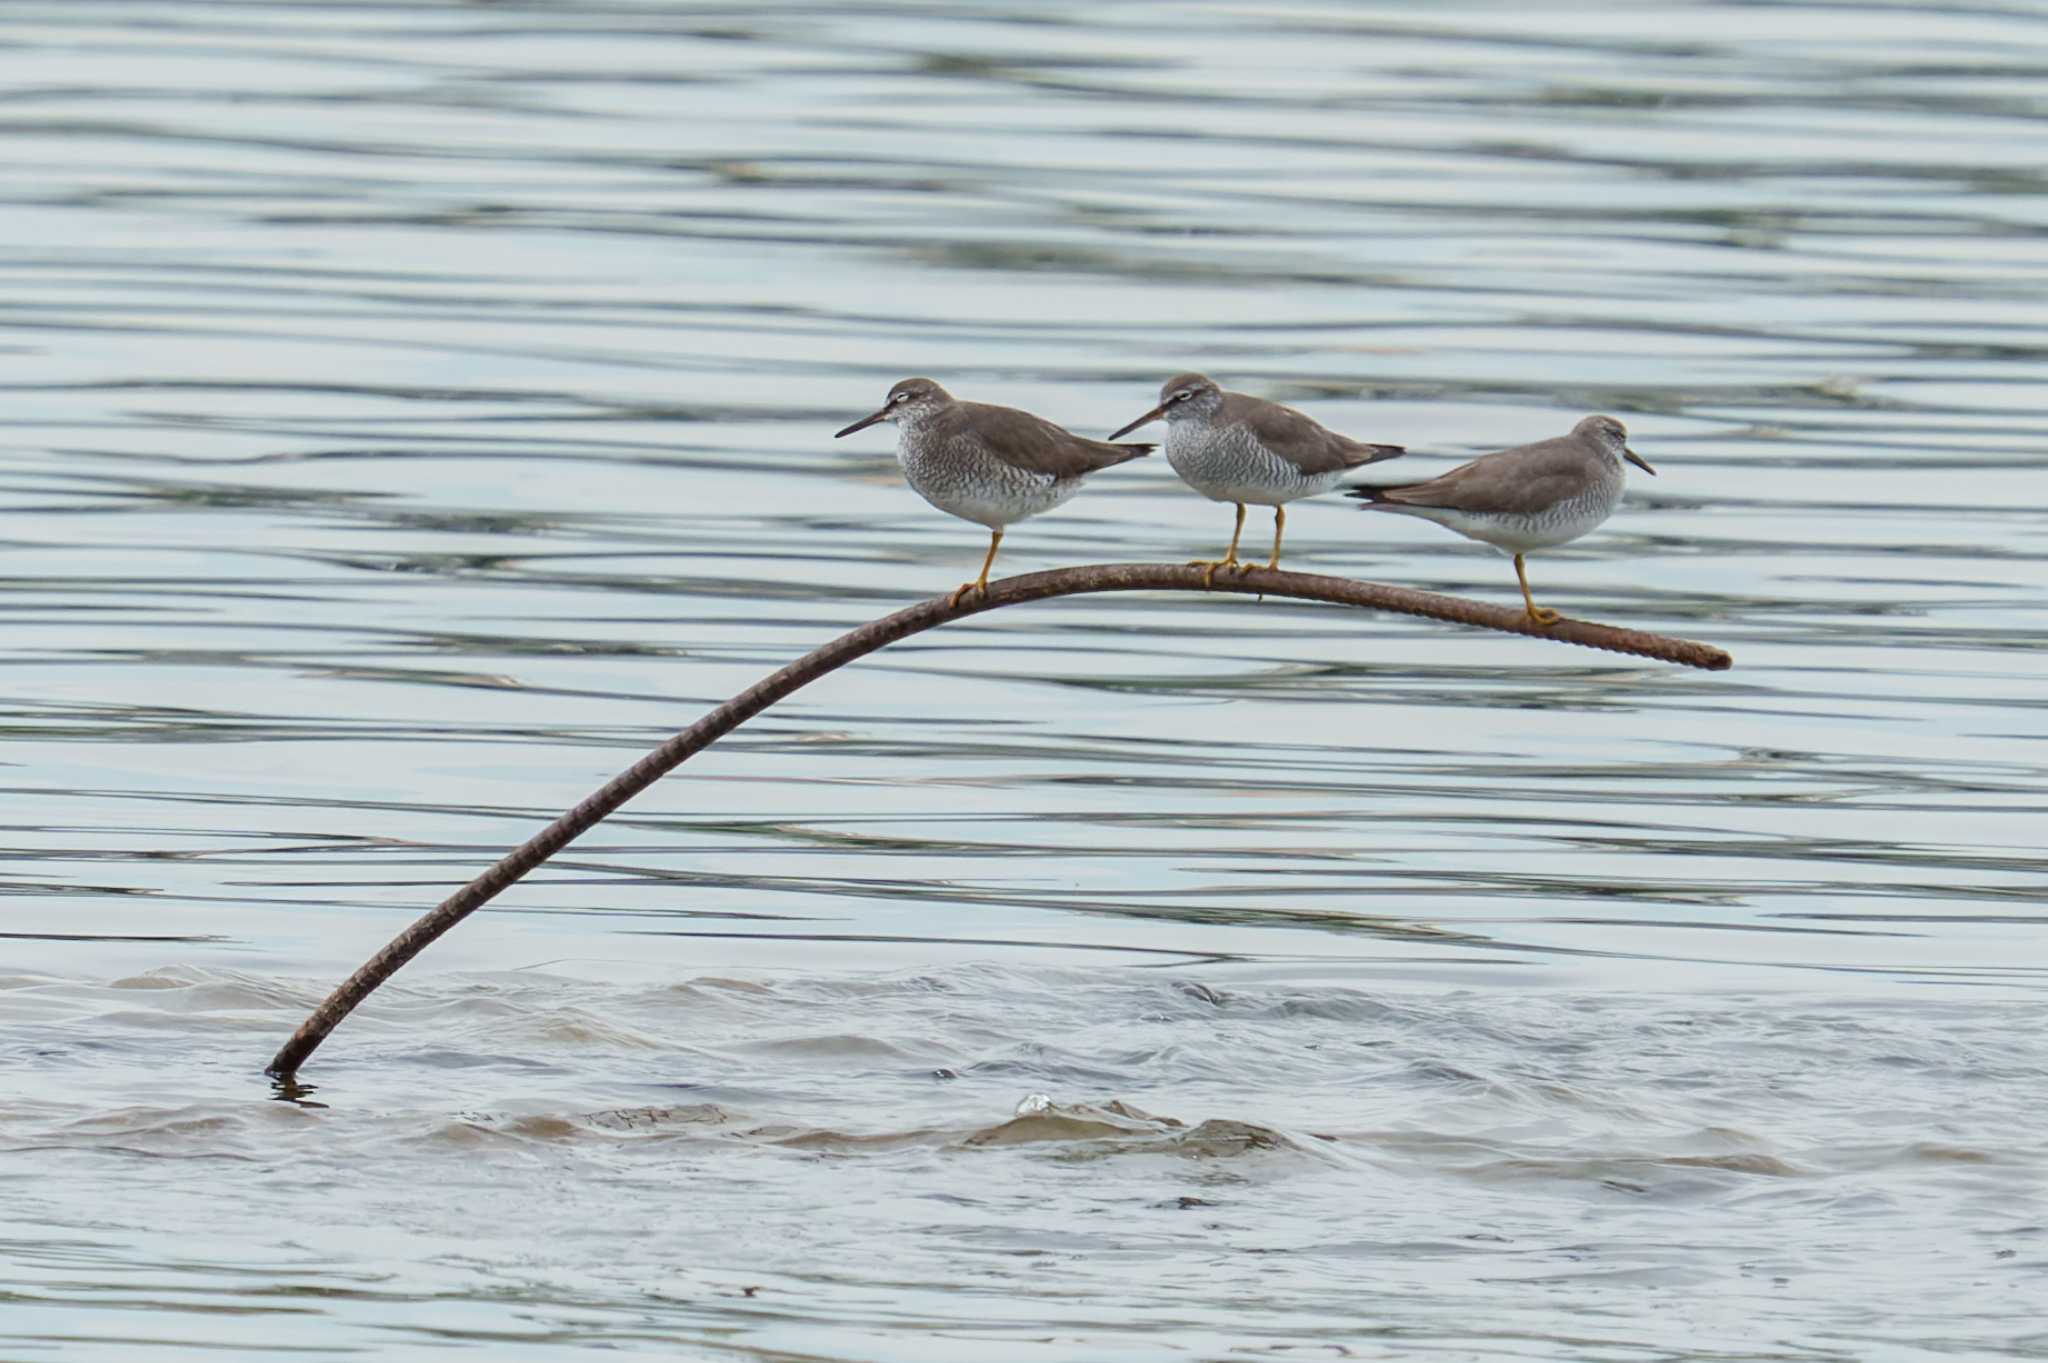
(1013, 591)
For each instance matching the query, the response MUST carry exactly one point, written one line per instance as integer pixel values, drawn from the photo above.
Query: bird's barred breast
(1230, 465)
(962, 479)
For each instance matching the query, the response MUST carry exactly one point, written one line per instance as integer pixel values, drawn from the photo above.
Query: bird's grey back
(1297, 438)
(1515, 481)
(1029, 443)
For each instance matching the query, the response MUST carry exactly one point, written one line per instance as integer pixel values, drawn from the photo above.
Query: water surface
(414, 412)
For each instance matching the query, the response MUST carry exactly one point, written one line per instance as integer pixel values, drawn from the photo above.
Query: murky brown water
(412, 412)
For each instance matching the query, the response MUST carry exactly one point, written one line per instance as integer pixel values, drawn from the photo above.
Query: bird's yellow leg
(1279, 529)
(980, 584)
(1229, 560)
(1542, 615)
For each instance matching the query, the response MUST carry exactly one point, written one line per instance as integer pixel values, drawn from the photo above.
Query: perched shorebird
(1530, 497)
(1232, 447)
(991, 465)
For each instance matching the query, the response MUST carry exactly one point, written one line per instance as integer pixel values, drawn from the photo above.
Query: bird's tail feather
(1378, 494)
(1366, 454)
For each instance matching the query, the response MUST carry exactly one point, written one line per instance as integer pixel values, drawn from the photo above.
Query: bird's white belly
(1521, 534)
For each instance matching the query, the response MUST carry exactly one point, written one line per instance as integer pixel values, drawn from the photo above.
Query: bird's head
(1183, 397)
(908, 403)
(1611, 437)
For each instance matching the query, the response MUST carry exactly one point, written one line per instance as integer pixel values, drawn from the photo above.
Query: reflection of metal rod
(1014, 591)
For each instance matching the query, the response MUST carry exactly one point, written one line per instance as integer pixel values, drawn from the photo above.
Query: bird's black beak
(1153, 415)
(867, 421)
(1626, 453)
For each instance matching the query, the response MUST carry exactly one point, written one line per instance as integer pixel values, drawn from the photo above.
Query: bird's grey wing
(1035, 445)
(1526, 478)
(1304, 442)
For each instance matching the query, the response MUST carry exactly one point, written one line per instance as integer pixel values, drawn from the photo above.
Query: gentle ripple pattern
(415, 411)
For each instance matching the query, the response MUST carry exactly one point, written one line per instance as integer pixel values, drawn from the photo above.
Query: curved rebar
(1013, 591)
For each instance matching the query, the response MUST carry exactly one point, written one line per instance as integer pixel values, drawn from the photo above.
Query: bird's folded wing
(1306, 444)
(1035, 445)
(1520, 481)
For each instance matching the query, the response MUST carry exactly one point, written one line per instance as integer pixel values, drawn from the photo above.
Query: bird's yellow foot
(967, 589)
(1215, 565)
(1544, 615)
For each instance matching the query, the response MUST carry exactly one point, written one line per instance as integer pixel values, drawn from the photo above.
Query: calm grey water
(414, 411)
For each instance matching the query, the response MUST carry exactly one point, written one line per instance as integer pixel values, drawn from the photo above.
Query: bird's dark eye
(1183, 395)
(900, 397)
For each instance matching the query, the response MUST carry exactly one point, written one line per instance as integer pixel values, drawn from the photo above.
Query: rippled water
(413, 412)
